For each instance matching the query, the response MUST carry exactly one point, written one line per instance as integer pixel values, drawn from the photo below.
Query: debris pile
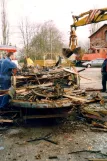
(96, 114)
(58, 92)
(53, 86)
(43, 77)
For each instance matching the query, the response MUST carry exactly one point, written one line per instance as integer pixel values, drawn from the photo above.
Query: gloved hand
(11, 92)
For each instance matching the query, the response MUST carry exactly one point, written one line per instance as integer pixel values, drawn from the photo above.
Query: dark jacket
(6, 66)
(104, 66)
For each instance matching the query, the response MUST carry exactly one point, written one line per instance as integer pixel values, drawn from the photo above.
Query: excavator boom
(89, 17)
(92, 16)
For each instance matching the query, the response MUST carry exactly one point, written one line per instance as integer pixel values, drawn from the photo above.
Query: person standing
(7, 69)
(28, 62)
(104, 74)
(59, 61)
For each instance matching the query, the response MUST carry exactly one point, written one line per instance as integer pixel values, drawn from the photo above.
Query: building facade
(99, 38)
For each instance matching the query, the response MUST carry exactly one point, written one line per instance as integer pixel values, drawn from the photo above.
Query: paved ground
(71, 136)
(94, 74)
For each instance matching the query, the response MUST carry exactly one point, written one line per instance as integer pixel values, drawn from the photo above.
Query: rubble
(43, 77)
(54, 89)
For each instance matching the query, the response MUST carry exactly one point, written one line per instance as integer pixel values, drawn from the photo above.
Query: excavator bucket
(66, 52)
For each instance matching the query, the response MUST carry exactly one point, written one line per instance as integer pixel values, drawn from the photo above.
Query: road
(94, 74)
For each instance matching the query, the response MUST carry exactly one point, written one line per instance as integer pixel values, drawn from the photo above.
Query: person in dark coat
(7, 69)
(104, 74)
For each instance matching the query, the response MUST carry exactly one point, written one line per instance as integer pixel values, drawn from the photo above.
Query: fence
(45, 62)
(50, 62)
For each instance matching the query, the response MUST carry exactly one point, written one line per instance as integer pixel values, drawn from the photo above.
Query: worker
(7, 69)
(104, 74)
(59, 61)
(28, 62)
(25, 61)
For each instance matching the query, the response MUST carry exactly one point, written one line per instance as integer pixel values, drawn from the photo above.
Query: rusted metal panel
(53, 104)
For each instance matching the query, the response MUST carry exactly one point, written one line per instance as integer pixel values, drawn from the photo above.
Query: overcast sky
(60, 11)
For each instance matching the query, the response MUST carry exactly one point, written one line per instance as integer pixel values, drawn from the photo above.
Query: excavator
(89, 17)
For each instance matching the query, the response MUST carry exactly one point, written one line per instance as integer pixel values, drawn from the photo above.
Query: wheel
(89, 65)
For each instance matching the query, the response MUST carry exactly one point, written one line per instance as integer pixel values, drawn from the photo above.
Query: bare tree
(47, 41)
(5, 24)
(27, 31)
(84, 45)
(41, 40)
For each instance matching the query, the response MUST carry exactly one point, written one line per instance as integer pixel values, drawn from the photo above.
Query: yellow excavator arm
(89, 17)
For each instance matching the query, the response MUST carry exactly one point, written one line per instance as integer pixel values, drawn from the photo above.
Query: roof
(98, 30)
(93, 48)
(8, 48)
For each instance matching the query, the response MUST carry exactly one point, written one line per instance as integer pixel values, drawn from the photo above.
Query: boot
(103, 90)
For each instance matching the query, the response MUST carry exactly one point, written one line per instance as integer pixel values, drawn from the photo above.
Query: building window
(106, 35)
(98, 51)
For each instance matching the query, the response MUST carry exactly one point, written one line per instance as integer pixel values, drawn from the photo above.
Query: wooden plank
(82, 100)
(70, 71)
(23, 77)
(14, 81)
(91, 111)
(46, 116)
(98, 129)
(34, 86)
(95, 124)
(6, 121)
(97, 159)
(81, 70)
(43, 95)
(21, 90)
(92, 89)
(76, 98)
